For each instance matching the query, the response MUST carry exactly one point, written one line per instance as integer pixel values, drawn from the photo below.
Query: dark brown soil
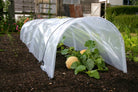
(20, 72)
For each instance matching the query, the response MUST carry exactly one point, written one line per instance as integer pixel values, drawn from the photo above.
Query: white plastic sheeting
(42, 36)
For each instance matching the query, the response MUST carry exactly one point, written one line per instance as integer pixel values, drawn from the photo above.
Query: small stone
(104, 89)
(32, 89)
(110, 90)
(63, 73)
(50, 83)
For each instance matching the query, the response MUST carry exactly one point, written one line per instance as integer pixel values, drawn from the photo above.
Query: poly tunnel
(42, 36)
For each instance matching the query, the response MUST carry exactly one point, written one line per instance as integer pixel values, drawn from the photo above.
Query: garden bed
(21, 72)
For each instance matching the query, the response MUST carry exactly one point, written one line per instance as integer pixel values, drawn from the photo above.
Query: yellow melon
(82, 51)
(70, 60)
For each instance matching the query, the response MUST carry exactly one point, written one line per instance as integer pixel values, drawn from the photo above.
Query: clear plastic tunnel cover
(42, 36)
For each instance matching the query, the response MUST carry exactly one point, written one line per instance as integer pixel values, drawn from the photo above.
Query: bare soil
(21, 72)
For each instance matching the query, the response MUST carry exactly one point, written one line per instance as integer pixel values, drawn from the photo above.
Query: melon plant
(90, 61)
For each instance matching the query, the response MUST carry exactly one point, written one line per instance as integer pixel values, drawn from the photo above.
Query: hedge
(126, 23)
(111, 12)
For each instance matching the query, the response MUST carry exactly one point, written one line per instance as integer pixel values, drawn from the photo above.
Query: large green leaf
(89, 64)
(75, 65)
(101, 65)
(90, 44)
(99, 60)
(80, 68)
(64, 52)
(83, 57)
(135, 59)
(94, 73)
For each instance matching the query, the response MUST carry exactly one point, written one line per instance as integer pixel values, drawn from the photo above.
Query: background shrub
(112, 12)
(126, 23)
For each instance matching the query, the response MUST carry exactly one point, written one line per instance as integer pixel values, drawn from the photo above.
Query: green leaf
(94, 74)
(80, 68)
(101, 64)
(62, 48)
(2, 50)
(1, 34)
(90, 44)
(83, 57)
(71, 48)
(61, 43)
(88, 51)
(99, 60)
(89, 64)
(64, 52)
(135, 59)
(75, 53)
(75, 65)
(96, 51)
(10, 37)
(63, 39)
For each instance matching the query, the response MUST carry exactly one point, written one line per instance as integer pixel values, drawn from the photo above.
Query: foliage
(1, 50)
(90, 61)
(6, 27)
(126, 23)
(23, 20)
(112, 12)
(60, 45)
(131, 46)
(6, 4)
(1, 9)
(136, 3)
(135, 59)
(4, 8)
